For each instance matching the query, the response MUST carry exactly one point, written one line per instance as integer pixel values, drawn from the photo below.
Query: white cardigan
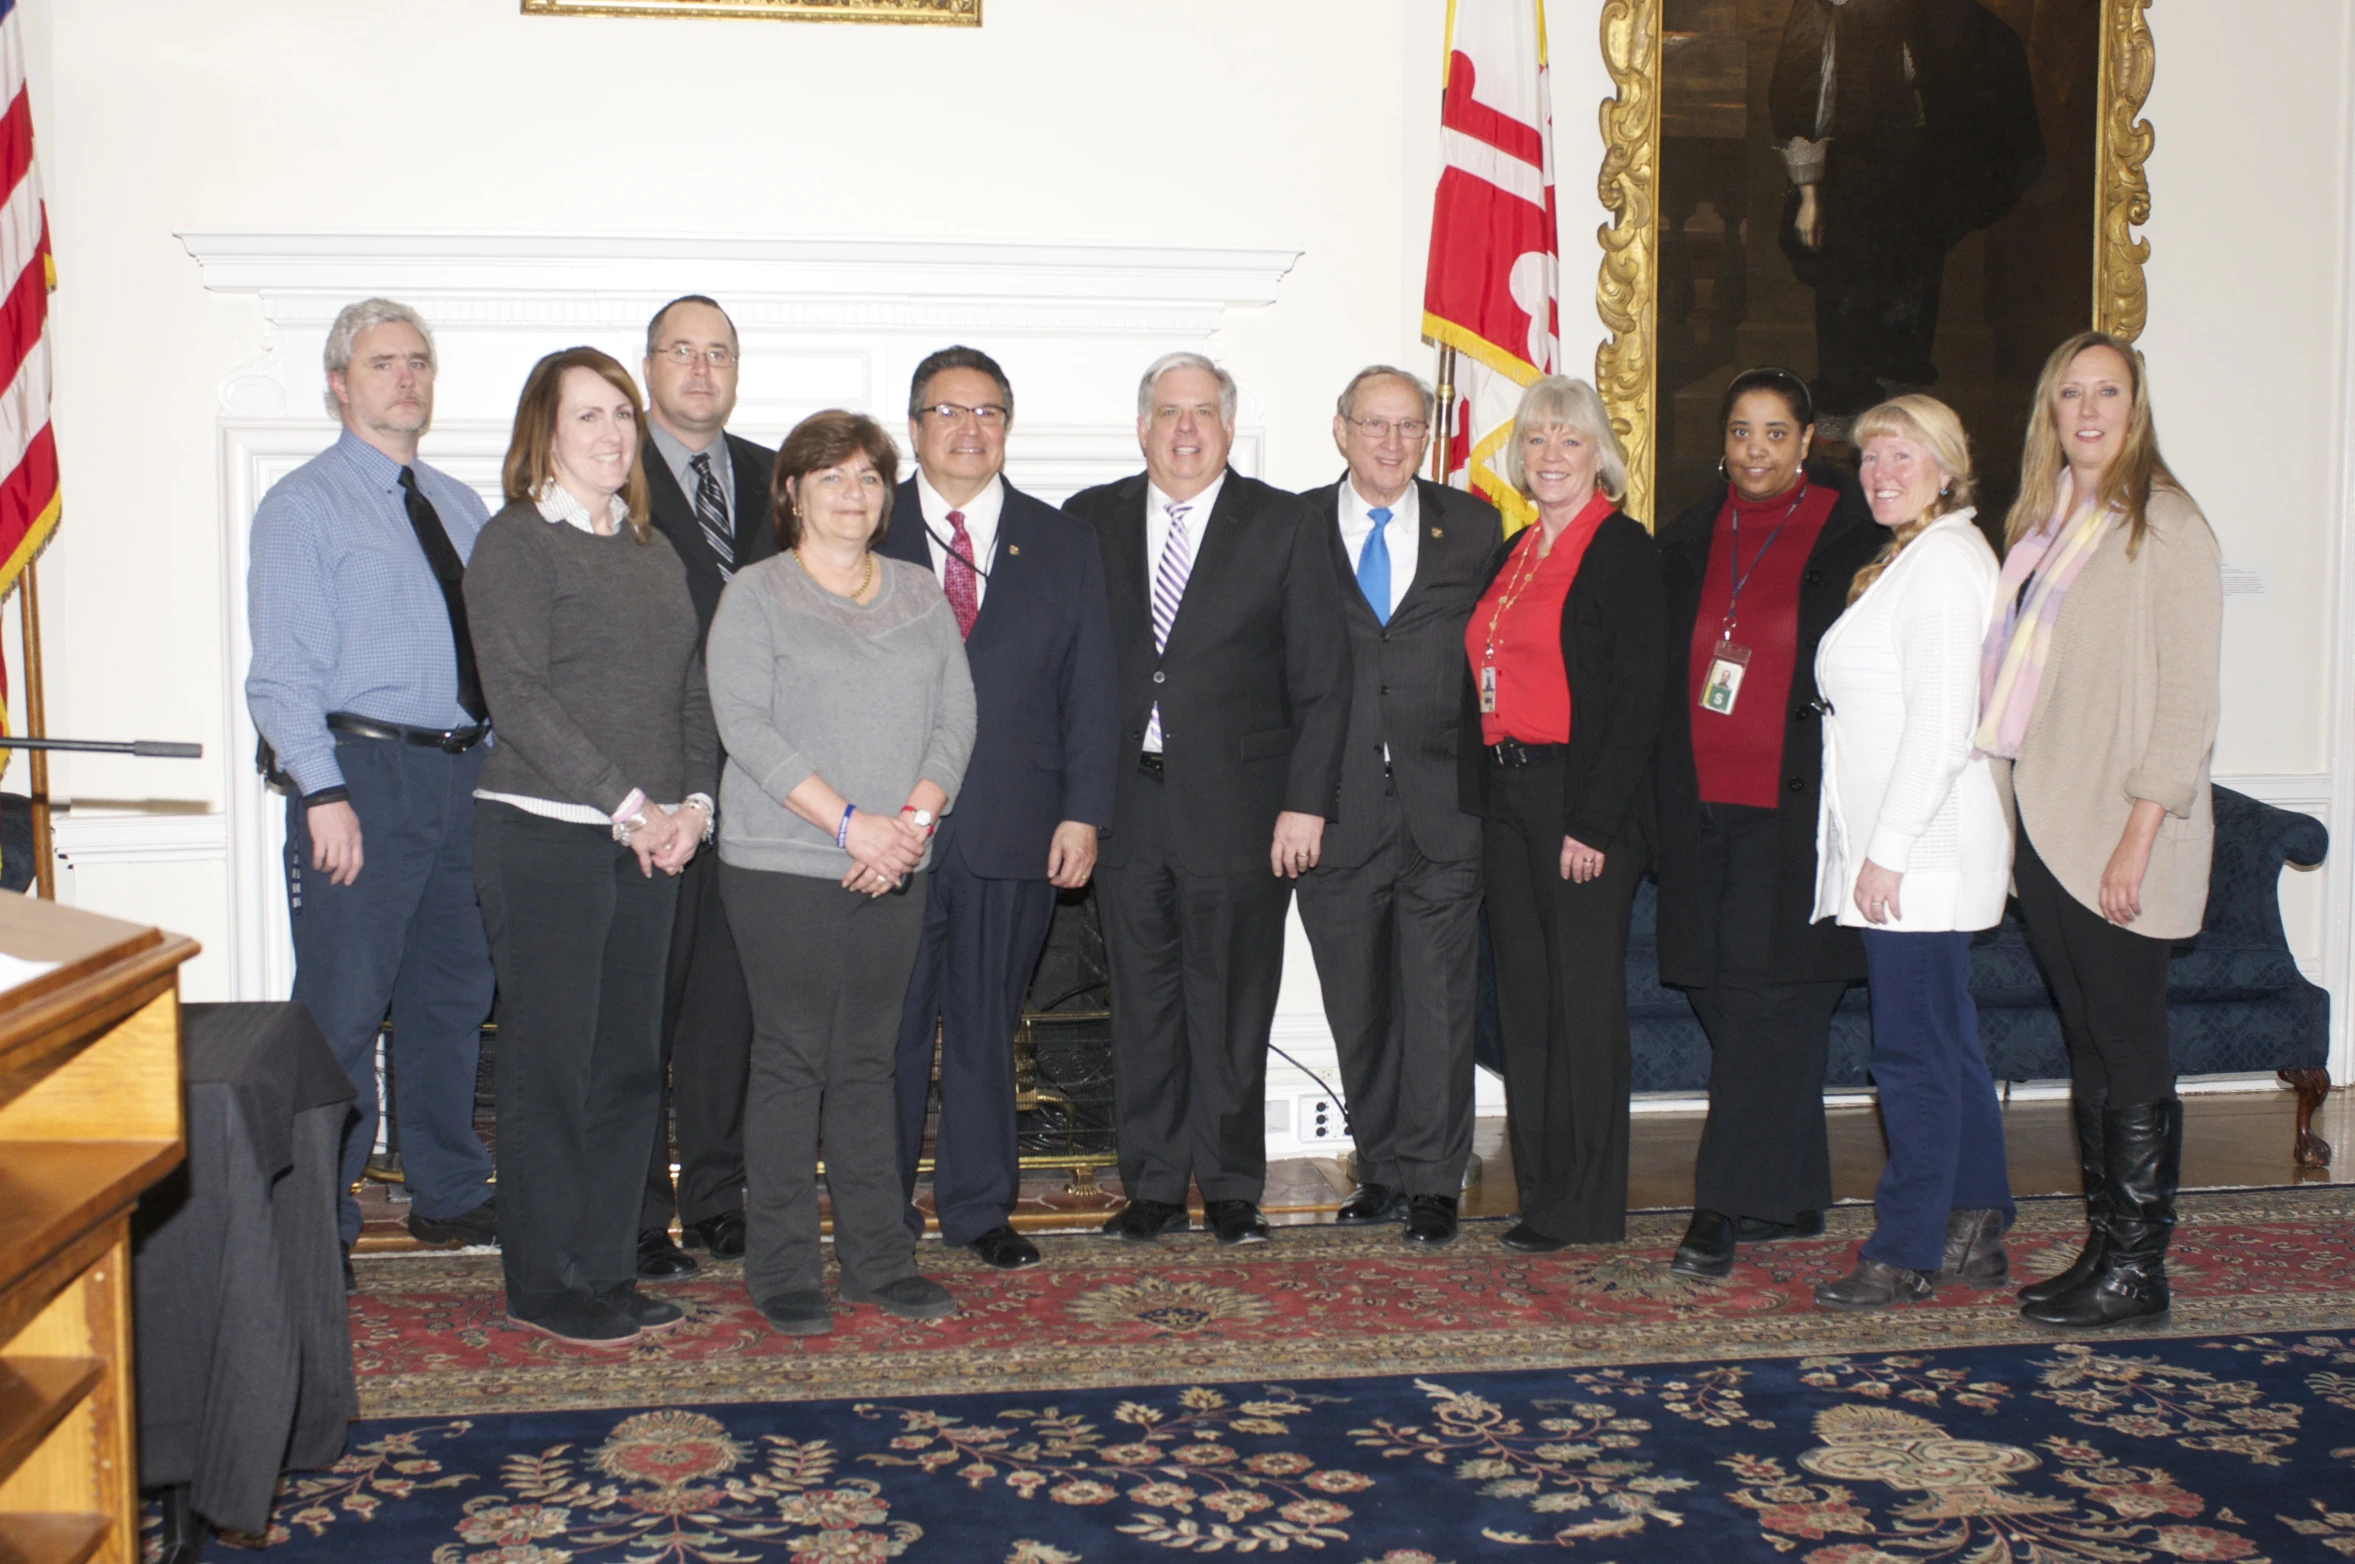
(1902, 785)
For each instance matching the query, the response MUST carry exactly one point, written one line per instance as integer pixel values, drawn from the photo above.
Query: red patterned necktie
(956, 577)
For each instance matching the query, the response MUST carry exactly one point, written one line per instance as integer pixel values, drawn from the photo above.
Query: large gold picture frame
(939, 13)
(1627, 295)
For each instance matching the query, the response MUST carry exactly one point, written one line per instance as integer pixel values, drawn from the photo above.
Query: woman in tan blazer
(2098, 698)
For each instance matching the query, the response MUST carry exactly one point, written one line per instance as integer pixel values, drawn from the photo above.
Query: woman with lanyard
(1564, 649)
(2098, 696)
(1754, 573)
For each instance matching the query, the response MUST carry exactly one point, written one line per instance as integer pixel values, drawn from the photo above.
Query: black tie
(712, 511)
(442, 555)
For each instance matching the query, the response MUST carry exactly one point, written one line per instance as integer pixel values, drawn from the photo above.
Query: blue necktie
(1373, 566)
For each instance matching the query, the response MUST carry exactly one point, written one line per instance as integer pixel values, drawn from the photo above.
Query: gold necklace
(866, 584)
(1525, 563)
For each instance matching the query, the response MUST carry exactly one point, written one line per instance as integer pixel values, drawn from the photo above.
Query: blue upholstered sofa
(2236, 1001)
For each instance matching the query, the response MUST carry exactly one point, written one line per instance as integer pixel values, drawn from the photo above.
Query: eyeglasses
(688, 353)
(989, 414)
(1379, 428)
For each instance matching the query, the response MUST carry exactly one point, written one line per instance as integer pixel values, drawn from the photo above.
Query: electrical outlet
(1318, 1118)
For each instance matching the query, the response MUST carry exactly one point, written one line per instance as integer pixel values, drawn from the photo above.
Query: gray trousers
(1397, 946)
(827, 970)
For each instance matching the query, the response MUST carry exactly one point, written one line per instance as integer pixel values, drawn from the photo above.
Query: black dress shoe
(723, 1235)
(644, 1312)
(1431, 1221)
(1004, 1248)
(478, 1226)
(1758, 1230)
(660, 1260)
(1235, 1222)
(579, 1319)
(1528, 1240)
(1371, 1203)
(798, 1313)
(1708, 1246)
(1142, 1221)
(911, 1298)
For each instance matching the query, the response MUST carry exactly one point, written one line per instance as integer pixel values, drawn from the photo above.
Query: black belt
(1514, 753)
(1150, 764)
(450, 741)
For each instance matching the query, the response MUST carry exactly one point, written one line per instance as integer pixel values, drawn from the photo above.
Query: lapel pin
(1013, 548)
(1435, 532)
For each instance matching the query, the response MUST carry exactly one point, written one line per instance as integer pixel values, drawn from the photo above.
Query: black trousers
(406, 934)
(1195, 962)
(706, 1052)
(827, 969)
(981, 943)
(1764, 1152)
(578, 935)
(1397, 947)
(1561, 986)
(2110, 983)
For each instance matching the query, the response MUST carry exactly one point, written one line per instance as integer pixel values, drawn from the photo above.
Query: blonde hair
(1559, 402)
(2126, 482)
(1928, 422)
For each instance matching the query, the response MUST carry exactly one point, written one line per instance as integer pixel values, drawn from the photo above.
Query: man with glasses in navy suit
(1026, 584)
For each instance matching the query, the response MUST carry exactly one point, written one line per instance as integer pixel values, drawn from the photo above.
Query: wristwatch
(923, 818)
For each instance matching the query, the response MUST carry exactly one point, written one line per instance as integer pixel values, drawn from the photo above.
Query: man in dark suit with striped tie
(710, 494)
(1027, 588)
(1234, 705)
(1392, 909)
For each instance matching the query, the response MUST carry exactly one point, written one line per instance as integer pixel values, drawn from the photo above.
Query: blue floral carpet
(2091, 1452)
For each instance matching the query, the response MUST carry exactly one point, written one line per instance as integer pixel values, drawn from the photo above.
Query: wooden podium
(89, 1117)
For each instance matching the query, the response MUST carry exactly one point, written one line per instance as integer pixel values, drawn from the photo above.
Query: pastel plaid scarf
(2011, 664)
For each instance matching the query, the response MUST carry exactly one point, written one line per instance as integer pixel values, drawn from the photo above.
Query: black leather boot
(2143, 1150)
(2086, 1109)
(1974, 1250)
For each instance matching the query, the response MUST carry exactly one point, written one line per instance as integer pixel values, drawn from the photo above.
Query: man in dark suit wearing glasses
(1026, 585)
(711, 499)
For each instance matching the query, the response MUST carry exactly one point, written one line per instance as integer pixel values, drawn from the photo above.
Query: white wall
(1306, 125)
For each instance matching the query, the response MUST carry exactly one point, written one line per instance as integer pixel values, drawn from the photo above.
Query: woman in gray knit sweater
(838, 680)
(598, 792)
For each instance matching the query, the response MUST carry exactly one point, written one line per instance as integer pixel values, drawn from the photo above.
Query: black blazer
(1804, 952)
(674, 515)
(1407, 678)
(1611, 651)
(1041, 655)
(1254, 684)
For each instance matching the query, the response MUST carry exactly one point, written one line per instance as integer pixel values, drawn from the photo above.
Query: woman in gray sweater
(838, 680)
(598, 792)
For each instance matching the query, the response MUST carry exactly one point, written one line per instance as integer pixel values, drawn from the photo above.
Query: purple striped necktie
(1169, 590)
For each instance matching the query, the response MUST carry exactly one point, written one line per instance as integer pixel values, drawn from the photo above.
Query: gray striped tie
(1169, 590)
(711, 510)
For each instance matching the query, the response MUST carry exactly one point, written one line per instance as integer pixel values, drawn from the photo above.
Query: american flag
(29, 494)
(1491, 287)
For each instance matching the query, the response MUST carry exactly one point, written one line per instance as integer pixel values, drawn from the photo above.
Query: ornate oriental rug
(1331, 1394)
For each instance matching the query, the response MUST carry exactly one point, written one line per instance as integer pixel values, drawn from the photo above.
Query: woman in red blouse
(1566, 660)
(1755, 571)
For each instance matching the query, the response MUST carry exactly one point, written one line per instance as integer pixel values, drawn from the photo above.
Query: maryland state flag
(1491, 288)
(28, 450)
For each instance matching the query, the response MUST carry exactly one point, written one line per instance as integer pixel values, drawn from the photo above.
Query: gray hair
(1559, 402)
(1346, 403)
(356, 318)
(1169, 361)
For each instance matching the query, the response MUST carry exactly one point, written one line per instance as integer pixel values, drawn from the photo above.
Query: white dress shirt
(1401, 534)
(981, 525)
(1198, 511)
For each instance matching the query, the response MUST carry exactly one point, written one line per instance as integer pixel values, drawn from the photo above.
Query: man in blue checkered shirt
(363, 688)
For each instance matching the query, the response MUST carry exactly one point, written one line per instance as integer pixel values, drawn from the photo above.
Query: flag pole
(37, 726)
(1447, 402)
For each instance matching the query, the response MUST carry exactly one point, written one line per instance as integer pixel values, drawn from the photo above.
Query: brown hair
(531, 450)
(824, 440)
(2133, 473)
(1931, 423)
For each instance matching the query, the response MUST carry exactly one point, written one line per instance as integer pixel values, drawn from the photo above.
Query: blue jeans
(406, 935)
(1938, 1104)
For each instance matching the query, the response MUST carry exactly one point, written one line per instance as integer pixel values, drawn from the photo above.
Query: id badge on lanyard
(1722, 685)
(1488, 690)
